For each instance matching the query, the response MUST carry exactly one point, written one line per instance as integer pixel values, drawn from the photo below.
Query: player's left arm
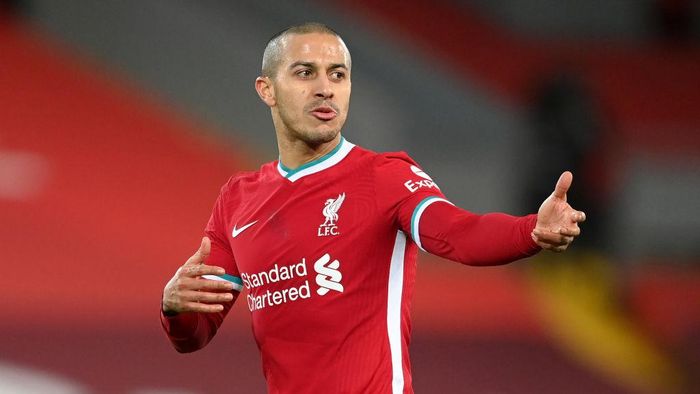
(439, 227)
(448, 231)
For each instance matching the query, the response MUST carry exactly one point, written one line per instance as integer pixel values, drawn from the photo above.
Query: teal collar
(326, 161)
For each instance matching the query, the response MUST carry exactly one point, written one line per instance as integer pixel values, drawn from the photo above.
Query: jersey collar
(326, 161)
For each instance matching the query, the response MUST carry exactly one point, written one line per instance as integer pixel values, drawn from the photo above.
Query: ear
(266, 91)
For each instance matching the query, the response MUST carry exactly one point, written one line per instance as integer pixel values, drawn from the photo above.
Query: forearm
(489, 239)
(192, 331)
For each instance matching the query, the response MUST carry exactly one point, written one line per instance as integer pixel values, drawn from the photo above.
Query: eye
(304, 73)
(337, 75)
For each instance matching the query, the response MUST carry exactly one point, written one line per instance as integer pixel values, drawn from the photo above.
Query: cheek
(294, 97)
(345, 95)
(290, 106)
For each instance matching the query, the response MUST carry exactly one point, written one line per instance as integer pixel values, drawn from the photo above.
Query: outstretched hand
(557, 221)
(187, 291)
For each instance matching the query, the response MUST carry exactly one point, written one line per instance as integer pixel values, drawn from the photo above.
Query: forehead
(315, 47)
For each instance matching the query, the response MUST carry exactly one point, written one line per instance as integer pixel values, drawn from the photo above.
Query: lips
(324, 113)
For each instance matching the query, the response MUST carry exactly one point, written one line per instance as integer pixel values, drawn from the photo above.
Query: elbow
(186, 345)
(184, 349)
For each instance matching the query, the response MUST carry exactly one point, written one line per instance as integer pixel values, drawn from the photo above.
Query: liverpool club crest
(330, 211)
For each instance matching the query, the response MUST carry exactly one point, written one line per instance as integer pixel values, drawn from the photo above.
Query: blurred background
(120, 121)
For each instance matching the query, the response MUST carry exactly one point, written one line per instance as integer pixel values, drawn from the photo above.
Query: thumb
(563, 185)
(202, 253)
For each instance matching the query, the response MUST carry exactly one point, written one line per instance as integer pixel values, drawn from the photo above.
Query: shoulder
(394, 163)
(382, 158)
(385, 164)
(244, 180)
(399, 158)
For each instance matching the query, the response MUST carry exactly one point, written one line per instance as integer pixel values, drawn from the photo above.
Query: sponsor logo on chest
(328, 278)
(330, 211)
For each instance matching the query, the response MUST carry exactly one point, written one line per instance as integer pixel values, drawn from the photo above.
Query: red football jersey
(327, 255)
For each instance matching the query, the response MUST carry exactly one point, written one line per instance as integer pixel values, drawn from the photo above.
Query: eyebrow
(313, 65)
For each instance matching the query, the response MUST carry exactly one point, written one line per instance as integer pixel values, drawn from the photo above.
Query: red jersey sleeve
(192, 331)
(489, 239)
(437, 226)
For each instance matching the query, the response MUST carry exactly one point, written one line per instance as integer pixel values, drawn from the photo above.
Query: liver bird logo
(330, 211)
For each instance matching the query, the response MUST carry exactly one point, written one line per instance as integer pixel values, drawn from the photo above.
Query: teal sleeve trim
(417, 213)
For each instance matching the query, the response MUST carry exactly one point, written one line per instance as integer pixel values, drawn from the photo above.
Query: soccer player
(324, 240)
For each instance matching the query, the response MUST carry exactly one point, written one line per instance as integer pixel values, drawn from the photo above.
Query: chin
(318, 137)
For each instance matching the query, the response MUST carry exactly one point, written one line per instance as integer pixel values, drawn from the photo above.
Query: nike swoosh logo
(238, 231)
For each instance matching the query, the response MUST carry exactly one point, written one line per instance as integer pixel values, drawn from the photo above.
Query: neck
(296, 153)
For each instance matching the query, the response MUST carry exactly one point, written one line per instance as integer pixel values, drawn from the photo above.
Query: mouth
(324, 113)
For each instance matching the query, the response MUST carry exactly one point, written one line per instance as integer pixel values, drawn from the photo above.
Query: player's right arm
(193, 307)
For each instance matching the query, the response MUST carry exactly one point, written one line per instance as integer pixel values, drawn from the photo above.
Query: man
(325, 239)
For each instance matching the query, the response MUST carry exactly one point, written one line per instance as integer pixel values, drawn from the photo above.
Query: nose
(324, 88)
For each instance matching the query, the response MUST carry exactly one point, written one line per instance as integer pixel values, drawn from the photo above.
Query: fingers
(563, 185)
(201, 254)
(570, 232)
(578, 216)
(564, 236)
(558, 224)
(197, 301)
(202, 308)
(193, 271)
(187, 291)
(196, 295)
(559, 248)
(191, 296)
(557, 241)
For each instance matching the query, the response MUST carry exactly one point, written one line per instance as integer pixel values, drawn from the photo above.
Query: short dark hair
(273, 50)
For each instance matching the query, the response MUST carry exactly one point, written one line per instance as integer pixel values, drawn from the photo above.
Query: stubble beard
(315, 137)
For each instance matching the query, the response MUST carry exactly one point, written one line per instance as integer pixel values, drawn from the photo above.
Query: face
(310, 93)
